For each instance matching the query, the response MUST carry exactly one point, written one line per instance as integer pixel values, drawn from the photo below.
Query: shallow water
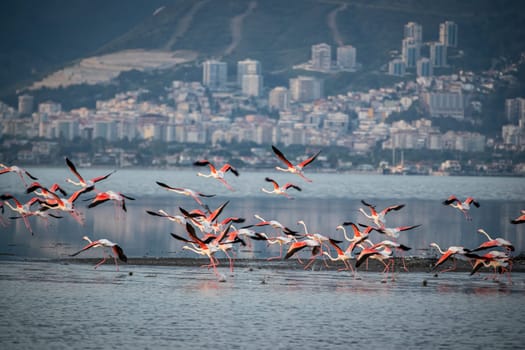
(59, 306)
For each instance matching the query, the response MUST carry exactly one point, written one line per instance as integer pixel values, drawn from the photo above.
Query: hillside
(37, 38)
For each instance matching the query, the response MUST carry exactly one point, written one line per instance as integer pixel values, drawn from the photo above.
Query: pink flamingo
(81, 181)
(379, 217)
(17, 170)
(463, 207)
(104, 243)
(102, 197)
(520, 219)
(280, 190)
(217, 173)
(186, 191)
(449, 253)
(294, 169)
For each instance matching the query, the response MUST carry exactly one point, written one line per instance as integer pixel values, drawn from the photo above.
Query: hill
(39, 37)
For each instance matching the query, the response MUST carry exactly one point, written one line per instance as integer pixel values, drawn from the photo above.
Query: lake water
(47, 304)
(328, 201)
(55, 306)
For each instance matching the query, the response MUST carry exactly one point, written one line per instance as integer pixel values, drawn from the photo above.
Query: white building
(396, 67)
(279, 99)
(448, 34)
(414, 31)
(247, 66)
(321, 57)
(424, 67)
(252, 85)
(438, 54)
(306, 89)
(410, 52)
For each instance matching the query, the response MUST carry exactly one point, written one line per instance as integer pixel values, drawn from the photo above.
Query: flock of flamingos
(206, 235)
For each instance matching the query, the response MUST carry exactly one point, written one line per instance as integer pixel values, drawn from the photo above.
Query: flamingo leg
(101, 262)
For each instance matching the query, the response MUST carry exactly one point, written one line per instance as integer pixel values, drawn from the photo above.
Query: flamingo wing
(308, 160)
(281, 156)
(74, 170)
(119, 252)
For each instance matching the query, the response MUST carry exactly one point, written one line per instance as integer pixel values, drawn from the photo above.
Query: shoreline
(413, 264)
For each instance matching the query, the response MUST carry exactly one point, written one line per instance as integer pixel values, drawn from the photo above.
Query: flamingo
(17, 170)
(464, 206)
(179, 219)
(280, 190)
(66, 204)
(81, 181)
(358, 234)
(41, 191)
(198, 246)
(206, 223)
(451, 252)
(394, 231)
(343, 256)
(275, 224)
(294, 169)
(299, 245)
(499, 261)
(24, 210)
(281, 241)
(102, 197)
(217, 173)
(520, 219)
(492, 243)
(117, 250)
(186, 191)
(379, 217)
(378, 253)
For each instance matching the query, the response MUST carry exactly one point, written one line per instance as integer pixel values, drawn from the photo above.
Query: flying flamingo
(358, 234)
(294, 169)
(520, 219)
(81, 181)
(280, 190)
(104, 243)
(179, 219)
(44, 192)
(200, 247)
(102, 197)
(449, 253)
(378, 253)
(186, 191)
(17, 170)
(217, 174)
(24, 210)
(205, 222)
(281, 241)
(499, 261)
(464, 206)
(343, 256)
(379, 218)
(299, 245)
(66, 204)
(394, 231)
(492, 243)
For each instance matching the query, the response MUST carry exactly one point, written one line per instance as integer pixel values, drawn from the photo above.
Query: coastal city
(243, 117)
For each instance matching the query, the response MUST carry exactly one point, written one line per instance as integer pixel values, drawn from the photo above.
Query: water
(328, 201)
(49, 305)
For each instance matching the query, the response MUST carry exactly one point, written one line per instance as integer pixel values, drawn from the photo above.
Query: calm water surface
(49, 305)
(328, 201)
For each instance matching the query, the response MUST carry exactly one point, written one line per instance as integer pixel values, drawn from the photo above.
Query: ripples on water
(48, 305)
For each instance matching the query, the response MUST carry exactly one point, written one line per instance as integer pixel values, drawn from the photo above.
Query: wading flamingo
(104, 243)
(217, 173)
(294, 169)
(463, 207)
(499, 261)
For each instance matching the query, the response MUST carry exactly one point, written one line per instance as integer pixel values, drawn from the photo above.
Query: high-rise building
(410, 52)
(25, 104)
(214, 74)
(415, 31)
(247, 66)
(50, 108)
(252, 84)
(444, 104)
(305, 89)
(515, 110)
(448, 34)
(346, 57)
(424, 67)
(279, 99)
(438, 54)
(396, 67)
(321, 57)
